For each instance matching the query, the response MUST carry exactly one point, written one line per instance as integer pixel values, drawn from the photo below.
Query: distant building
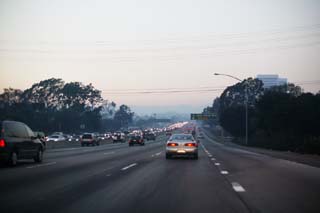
(271, 80)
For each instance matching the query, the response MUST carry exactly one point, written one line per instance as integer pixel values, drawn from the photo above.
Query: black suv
(17, 141)
(136, 139)
(149, 136)
(89, 139)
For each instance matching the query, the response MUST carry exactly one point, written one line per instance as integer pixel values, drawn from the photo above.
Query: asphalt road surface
(118, 178)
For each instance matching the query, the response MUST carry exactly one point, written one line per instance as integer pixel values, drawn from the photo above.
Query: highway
(118, 178)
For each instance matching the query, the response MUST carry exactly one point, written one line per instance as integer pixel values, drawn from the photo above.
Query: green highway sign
(201, 116)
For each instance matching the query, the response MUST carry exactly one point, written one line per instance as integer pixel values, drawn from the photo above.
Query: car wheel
(82, 144)
(13, 161)
(168, 156)
(39, 157)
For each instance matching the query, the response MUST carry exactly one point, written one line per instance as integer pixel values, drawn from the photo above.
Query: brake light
(191, 144)
(172, 144)
(2, 143)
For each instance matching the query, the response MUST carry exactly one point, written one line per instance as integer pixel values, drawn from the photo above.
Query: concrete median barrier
(66, 144)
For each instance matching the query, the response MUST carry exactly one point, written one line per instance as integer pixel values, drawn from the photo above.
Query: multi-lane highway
(119, 178)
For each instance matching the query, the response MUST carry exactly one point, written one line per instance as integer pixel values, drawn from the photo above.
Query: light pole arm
(231, 76)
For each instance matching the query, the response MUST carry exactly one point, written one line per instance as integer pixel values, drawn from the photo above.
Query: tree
(289, 88)
(76, 93)
(52, 105)
(11, 96)
(236, 95)
(231, 105)
(123, 116)
(46, 92)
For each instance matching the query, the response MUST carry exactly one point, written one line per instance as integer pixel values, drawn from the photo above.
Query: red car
(136, 139)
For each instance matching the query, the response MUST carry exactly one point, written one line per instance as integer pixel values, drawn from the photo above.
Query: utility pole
(246, 102)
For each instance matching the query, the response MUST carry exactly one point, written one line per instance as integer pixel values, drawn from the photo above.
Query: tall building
(271, 80)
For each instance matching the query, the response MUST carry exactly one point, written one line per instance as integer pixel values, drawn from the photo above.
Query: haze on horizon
(126, 48)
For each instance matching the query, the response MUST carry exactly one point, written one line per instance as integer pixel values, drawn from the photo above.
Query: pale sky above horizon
(151, 45)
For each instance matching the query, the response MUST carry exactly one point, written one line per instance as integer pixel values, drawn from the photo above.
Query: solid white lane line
(41, 165)
(217, 164)
(224, 172)
(237, 187)
(128, 167)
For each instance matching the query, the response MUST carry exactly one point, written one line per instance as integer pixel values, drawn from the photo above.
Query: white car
(56, 138)
(182, 145)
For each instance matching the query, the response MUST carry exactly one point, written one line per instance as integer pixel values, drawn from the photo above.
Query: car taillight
(191, 144)
(2, 143)
(172, 144)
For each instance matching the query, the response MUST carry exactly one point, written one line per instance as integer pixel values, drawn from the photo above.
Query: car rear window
(135, 137)
(182, 137)
(87, 136)
(15, 129)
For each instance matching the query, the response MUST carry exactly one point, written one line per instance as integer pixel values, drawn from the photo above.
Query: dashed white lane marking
(159, 153)
(213, 159)
(217, 164)
(128, 167)
(108, 153)
(237, 187)
(224, 172)
(41, 165)
(108, 175)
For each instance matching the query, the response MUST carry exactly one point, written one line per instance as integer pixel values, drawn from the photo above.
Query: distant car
(89, 139)
(168, 133)
(42, 137)
(200, 136)
(17, 141)
(136, 139)
(56, 138)
(182, 145)
(68, 137)
(149, 136)
(58, 133)
(108, 135)
(118, 137)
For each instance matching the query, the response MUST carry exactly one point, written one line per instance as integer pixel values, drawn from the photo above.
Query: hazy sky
(157, 44)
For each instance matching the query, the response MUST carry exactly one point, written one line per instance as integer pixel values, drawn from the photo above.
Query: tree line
(281, 117)
(53, 105)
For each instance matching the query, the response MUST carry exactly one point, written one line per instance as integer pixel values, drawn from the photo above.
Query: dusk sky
(130, 46)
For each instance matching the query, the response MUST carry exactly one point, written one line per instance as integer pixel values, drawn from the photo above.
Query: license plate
(181, 151)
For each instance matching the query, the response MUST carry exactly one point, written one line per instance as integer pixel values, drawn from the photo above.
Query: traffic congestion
(19, 142)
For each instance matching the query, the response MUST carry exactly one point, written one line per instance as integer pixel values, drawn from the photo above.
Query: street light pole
(246, 101)
(247, 113)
